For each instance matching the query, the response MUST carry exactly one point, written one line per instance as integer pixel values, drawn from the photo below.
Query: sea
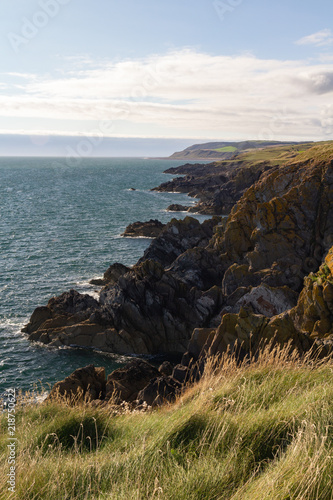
(60, 226)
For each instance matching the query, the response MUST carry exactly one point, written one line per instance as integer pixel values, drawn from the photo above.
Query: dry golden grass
(260, 429)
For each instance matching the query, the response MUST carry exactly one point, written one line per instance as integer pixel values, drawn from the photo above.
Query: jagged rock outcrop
(178, 236)
(158, 308)
(70, 308)
(125, 383)
(313, 314)
(281, 228)
(266, 300)
(239, 276)
(307, 325)
(137, 383)
(159, 391)
(218, 185)
(149, 229)
(88, 383)
(111, 275)
(175, 207)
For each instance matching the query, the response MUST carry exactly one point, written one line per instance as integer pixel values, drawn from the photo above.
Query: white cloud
(320, 39)
(183, 93)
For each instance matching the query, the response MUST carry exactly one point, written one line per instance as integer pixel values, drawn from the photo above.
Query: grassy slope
(258, 432)
(277, 155)
(226, 149)
(206, 151)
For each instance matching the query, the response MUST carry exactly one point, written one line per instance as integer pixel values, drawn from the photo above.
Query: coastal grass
(226, 149)
(276, 155)
(262, 430)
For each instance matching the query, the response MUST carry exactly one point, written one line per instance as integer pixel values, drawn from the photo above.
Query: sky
(176, 71)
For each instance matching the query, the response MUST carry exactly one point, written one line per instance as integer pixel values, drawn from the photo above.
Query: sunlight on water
(59, 228)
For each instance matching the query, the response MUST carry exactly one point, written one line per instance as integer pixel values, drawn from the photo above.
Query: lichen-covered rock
(219, 185)
(313, 314)
(267, 300)
(245, 333)
(282, 227)
(205, 275)
(201, 338)
(329, 260)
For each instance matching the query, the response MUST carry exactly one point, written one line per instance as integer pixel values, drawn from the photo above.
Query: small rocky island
(263, 273)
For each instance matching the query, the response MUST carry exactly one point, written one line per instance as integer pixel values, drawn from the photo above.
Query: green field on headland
(259, 431)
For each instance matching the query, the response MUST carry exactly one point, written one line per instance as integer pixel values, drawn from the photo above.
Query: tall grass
(262, 430)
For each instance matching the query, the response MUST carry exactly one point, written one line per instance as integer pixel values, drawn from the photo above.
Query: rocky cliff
(233, 281)
(221, 184)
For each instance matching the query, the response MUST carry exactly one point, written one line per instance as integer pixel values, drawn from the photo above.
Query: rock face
(156, 309)
(111, 275)
(281, 229)
(70, 310)
(165, 368)
(313, 314)
(233, 280)
(218, 185)
(266, 300)
(179, 236)
(125, 383)
(135, 383)
(87, 383)
(150, 229)
(160, 391)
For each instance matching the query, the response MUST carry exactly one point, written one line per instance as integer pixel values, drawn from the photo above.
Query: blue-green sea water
(60, 227)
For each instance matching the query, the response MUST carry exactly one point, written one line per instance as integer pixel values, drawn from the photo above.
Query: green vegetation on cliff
(259, 431)
(225, 150)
